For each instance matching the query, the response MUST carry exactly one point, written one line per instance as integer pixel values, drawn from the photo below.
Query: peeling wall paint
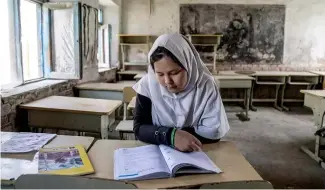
(304, 39)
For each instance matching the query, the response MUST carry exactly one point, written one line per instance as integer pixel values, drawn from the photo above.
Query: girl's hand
(186, 142)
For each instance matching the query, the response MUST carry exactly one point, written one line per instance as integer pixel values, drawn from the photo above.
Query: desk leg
(253, 108)
(241, 116)
(121, 135)
(318, 119)
(104, 126)
(282, 97)
(276, 98)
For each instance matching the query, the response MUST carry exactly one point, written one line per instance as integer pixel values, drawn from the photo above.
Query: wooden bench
(72, 113)
(124, 128)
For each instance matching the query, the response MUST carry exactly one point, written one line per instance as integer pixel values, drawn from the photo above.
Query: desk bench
(321, 78)
(72, 113)
(269, 78)
(315, 99)
(108, 91)
(298, 78)
(239, 82)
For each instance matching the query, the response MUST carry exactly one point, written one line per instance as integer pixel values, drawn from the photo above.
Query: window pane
(8, 71)
(32, 68)
(63, 41)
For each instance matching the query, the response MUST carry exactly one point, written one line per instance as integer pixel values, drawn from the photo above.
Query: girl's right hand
(186, 142)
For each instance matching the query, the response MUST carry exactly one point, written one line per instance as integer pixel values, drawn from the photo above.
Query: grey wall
(304, 40)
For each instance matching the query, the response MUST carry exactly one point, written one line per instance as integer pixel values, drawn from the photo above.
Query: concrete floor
(271, 142)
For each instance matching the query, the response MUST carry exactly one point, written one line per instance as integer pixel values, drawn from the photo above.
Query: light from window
(32, 66)
(7, 71)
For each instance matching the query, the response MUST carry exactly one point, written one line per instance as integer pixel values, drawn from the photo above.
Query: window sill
(29, 87)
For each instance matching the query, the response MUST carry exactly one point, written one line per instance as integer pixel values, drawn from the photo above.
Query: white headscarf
(199, 105)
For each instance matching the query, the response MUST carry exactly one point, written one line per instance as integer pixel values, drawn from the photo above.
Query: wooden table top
(14, 165)
(233, 77)
(321, 73)
(132, 103)
(319, 93)
(224, 153)
(74, 105)
(119, 86)
(221, 73)
(270, 73)
(130, 72)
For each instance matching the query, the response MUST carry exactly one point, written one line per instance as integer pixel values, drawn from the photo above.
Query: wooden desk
(315, 99)
(27, 163)
(269, 78)
(225, 154)
(322, 76)
(298, 78)
(109, 91)
(72, 113)
(139, 76)
(240, 82)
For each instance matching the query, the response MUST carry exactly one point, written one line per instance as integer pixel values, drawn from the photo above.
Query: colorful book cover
(64, 161)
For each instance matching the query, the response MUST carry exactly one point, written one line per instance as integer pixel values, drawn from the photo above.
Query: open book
(152, 162)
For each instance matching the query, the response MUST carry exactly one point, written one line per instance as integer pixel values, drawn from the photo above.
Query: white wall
(304, 29)
(112, 16)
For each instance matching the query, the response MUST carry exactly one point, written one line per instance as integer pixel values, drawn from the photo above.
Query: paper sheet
(26, 142)
(12, 168)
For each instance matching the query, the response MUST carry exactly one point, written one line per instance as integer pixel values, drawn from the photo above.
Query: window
(104, 46)
(30, 40)
(39, 40)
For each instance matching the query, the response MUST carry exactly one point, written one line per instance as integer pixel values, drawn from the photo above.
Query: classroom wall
(39, 90)
(111, 15)
(304, 41)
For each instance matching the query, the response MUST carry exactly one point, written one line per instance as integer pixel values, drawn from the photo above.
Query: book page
(139, 161)
(26, 142)
(174, 158)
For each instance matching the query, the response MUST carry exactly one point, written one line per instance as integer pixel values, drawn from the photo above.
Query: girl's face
(170, 74)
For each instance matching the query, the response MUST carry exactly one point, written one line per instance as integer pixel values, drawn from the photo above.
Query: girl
(178, 103)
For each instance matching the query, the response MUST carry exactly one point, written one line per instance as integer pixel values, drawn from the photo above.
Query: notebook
(64, 161)
(153, 162)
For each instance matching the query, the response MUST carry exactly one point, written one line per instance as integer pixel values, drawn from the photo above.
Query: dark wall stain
(251, 33)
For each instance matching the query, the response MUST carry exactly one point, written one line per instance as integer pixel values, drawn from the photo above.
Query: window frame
(48, 7)
(104, 61)
(44, 42)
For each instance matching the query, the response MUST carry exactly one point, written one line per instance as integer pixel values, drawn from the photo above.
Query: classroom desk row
(236, 169)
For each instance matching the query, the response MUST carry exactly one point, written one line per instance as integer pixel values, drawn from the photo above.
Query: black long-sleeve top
(145, 131)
